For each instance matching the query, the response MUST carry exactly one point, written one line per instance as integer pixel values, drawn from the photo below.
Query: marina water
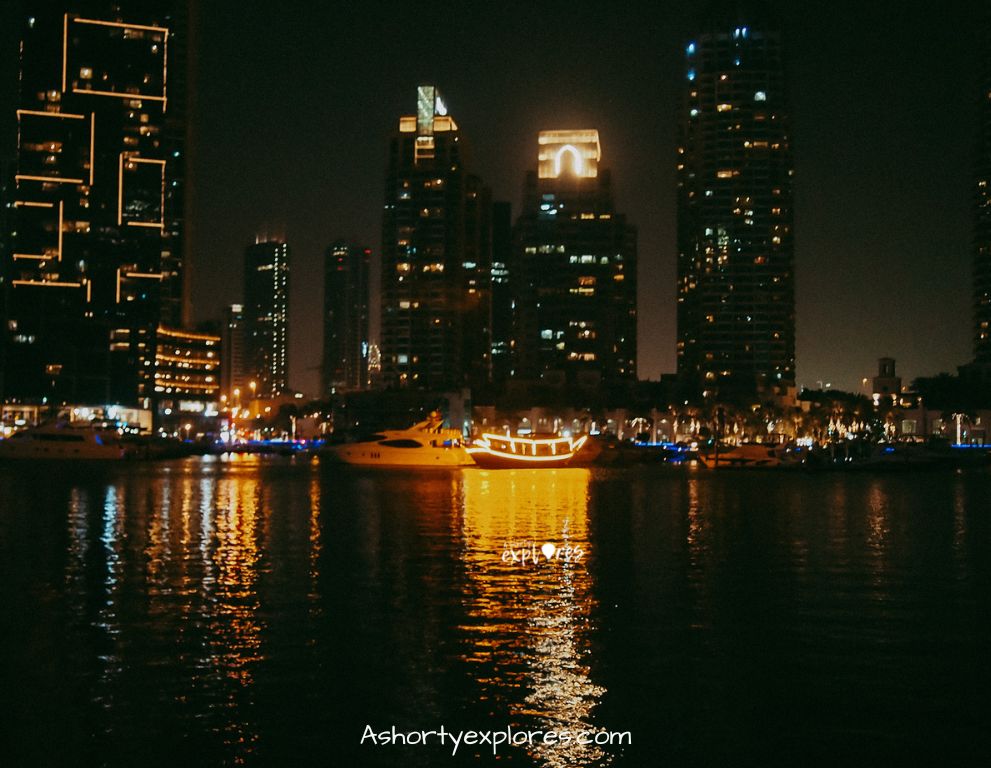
(262, 611)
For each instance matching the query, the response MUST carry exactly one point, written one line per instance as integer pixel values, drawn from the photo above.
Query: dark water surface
(265, 611)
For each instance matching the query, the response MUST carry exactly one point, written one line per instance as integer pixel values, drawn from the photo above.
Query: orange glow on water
(529, 626)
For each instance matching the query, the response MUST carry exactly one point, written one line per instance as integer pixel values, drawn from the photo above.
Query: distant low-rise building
(886, 385)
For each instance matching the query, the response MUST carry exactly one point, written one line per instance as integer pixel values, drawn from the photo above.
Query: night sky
(295, 103)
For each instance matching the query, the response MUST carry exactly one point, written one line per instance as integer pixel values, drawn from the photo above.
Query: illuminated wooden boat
(505, 451)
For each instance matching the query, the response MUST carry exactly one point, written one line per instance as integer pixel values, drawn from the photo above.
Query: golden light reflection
(315, 545)
(529, 625)
(695, 518)
(237, 638)
(202, 564)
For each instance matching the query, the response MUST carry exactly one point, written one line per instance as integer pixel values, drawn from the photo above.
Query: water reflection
(528, 628)
(262, 611)
(175, 563)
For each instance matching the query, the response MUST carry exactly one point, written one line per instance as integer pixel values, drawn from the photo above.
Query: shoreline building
(345, 318)
(436, 257)
(575, 273)
(95, 266)
(736, 281)
(266, 317)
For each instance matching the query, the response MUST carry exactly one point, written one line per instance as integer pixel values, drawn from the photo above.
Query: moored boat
(747, 455)
(427, 444)
(493, 451)
(64, 441)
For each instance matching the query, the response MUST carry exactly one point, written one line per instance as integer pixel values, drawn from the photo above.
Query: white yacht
(426, 444)
(60, 440)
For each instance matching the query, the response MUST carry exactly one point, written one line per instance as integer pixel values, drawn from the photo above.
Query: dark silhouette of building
(96, 263)
(736, 285)
(232, 348)
(575, 272)
(982, 220)
(345, 318)
(266, 317)
(886, 385)
(502, 294)
(436, 256)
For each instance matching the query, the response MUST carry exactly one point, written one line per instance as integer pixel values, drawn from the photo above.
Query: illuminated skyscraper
(345, 318)
(266, 316)
(576, 287)
(736, 285)
(982, 221)
(436, 256)
(96, 263)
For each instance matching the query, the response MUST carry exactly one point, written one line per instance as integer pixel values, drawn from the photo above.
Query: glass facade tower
(575, 276)
(736, 284)
(266, 316)
(436, 257)
(345, 318)
(982, 218)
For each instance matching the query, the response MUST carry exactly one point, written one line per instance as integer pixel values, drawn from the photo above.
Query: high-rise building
(436, 256)
(266, 316)
(736, 283)
(502, 295)
(345, 318)
(6, 217)
(96, 263)
(576, 259)
(232, 351)
(982, 218)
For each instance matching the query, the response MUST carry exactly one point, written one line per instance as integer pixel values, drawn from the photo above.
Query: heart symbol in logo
(548, 549)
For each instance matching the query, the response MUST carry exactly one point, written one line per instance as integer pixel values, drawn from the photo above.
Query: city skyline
(861, 207)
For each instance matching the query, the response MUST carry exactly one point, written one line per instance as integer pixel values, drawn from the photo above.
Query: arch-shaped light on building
(574, 152)
(576, 160)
